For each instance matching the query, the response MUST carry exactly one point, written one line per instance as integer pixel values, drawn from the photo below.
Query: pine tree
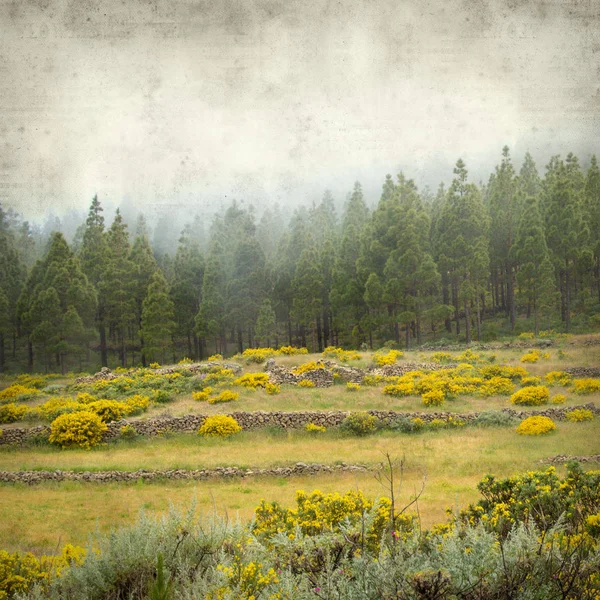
(186, 289)
(265, 323)
(592, 216)
(566, 233)
(94, 258)
(536, 273)
(157, 319)
(462, 245)
(504, 215)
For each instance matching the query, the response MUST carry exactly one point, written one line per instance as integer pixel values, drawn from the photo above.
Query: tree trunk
(29, 356)
(567, 296)
(103, 350)
(478, 318)
(467, 323)
(446, 301)
(240, 341)
(319, 334)
(1, 353)
(325, 329)
(510, 293)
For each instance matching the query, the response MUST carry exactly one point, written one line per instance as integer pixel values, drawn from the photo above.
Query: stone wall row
(286, 420)
(33, 477)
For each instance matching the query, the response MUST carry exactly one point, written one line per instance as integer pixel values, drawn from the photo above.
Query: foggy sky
(180, 104)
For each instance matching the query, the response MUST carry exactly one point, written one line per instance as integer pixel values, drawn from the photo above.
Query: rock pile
(33, 477)
(563, 458)
(583, 371)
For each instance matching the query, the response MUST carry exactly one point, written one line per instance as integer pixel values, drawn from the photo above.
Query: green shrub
(128, 432)
(82, 429)
(494, 418)
(162, 397)
(360, 423)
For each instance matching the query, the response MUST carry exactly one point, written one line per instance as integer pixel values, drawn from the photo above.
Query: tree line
(460, 263)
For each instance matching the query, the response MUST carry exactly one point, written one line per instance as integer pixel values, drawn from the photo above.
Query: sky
(183, 105)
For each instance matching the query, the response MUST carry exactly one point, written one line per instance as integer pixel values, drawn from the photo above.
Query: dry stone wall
(286, 420)
(33, 477)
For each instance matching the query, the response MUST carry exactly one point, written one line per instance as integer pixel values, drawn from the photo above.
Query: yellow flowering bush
(219, 426)
(214, 357)
(185, 361)
(360, 423)
(558, 399)
(531, 357)
(531, 396)
(309, 366)
(386, 358)
(468, 356)
(201, 396)
(108, 410)
(497, 386)
(19, 572)
(313, 428)
(154, 365)
(536, 425)
(318, 513)
(341, 354)
(433, 398)
(247, 582)
(9, 413)
(441, 357)
(372, 380)
(292, 350)
(137, 404)
(272, 388)
(258, 355)
(352, 387)
(514, 373)
(306, 383)
(529, 381)
(219, 376)
(85, 398)
(58, 406)
(586, 386)
(400, 390)
(252, 380)
(16, 390)
(526, 335)
(82, 429)
(35, 381)
(579, 414)
(224, 396)
(558, 378)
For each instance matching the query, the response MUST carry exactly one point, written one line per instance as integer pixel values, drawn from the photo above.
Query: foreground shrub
(559, 399)
(20, 572)
(224, 396)
(9, 413)
(579, 414)
(81, 429)
(359, 423)
(128, 432)
(219, 426)
(536, 425)
(586, 386)
(531, 396)
(529, 537)
(58, 406)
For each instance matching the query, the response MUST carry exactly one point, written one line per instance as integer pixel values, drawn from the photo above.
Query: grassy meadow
(450, 461)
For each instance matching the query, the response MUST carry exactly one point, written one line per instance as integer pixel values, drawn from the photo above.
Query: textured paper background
(176, 103)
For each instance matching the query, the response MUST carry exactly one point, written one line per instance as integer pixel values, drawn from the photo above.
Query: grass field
(452, 461)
